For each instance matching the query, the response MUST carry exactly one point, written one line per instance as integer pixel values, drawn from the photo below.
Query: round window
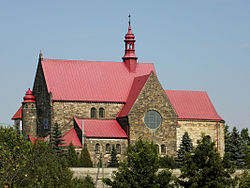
(152, 119)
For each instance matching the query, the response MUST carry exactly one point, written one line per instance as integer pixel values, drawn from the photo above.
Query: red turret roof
(29, 98)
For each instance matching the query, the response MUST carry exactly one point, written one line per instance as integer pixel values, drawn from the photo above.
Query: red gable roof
(71, 80)
(101, 128)
(71, 136)
(18, 114)
(194, 105)
(136, 88)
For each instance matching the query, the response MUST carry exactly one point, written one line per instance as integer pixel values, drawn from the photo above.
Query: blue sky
(194, 45)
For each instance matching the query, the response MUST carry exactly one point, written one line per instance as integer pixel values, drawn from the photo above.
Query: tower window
(97, 148)
(163, 148)
(93, 113)
(108, 148)
(101, 113)
(158, 150)
(118, 148)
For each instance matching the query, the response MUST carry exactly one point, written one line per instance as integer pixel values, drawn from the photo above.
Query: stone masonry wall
(91, 142)
(29, 119)
(195, 130)
(43, 102)
(63, 112)
(153, 97)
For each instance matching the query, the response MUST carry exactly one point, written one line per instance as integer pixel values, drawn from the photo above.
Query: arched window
(118, 148)
(208, 139)
(163, 148)
(108, 148)
(101, 113)
(97, 148)
(93, 113)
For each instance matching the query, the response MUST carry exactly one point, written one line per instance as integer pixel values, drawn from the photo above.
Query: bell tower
(29, 115)
(130, 58)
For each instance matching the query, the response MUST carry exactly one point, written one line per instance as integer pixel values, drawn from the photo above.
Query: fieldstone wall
(63, 112)
(153, 97)
(195, 130)
(29, 119)
(91, 142)
(43, 102)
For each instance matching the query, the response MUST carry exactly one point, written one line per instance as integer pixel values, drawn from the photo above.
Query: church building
(101, 104)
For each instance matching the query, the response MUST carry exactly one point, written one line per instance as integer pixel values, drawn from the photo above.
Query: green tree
(167, 162)
(72, 157)
(245, 179)
(56, 140)
(85, 160)
(236, 148)
(86, 182)
(23, 164)
(185, 146)
(204, 168)
(246, 140)
(113, 161)
(140, 168)
(226, 137)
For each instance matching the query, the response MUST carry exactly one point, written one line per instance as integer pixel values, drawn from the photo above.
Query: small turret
(29, 115)
(130, 58)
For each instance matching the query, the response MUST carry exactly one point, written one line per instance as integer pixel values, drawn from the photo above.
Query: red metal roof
(136, 88)
(71, 80)
(18, 114)
(194, 105)
(33, 139)
(71, 136)
(101, 128)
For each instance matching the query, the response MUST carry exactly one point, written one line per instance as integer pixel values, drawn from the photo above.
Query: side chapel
(114, 103)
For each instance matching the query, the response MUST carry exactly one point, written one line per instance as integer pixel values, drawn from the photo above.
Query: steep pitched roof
(194, 105)
(101, 128)
(71, 80)
(71, 136)
(135, 90)
(18, 114)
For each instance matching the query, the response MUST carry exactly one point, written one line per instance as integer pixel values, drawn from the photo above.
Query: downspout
(217, 125)
(82, 133)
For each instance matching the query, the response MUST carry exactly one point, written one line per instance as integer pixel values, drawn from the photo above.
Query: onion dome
(29, 97)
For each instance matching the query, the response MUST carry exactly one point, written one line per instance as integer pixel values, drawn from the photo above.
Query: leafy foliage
(85, 160)
(72, 157)
(245, 180)
(140, 168)
(83, 182)
(236, 148)
(23, 164)
(167, 162)
(185, 146)
(113, 161)
(204, 168)
(56, 140)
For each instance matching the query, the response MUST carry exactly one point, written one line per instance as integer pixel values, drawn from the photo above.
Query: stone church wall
(43, 103)
(153, 97)
(63, 112)
(91, 143)
(195, 130)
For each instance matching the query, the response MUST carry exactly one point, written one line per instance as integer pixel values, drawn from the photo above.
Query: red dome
(29, 97)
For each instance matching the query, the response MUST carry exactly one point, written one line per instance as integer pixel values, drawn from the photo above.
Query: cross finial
(129, 16)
